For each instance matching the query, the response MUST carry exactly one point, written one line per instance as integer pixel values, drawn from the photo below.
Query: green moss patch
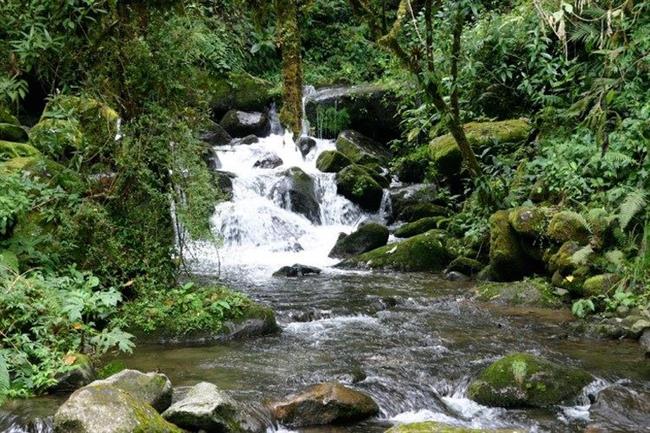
(534, 292)
(436, 427)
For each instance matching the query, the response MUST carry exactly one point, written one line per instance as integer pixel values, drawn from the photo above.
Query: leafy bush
(44, 317)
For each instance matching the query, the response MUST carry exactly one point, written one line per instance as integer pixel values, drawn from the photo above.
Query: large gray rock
(620, 410)
(296, 192)
(305, 145)
(325, 403)
(152, 388)
(104, 408)
(270, 160)
(244, 123)
(361, 149)
(206, 407)
(366, 238)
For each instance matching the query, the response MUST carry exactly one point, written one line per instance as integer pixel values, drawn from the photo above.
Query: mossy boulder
(427, 252)
(332, 161)
(361, 149)
(240, 91)
(599, 284)
(11, 132)
(358, 186)
(58, 138)
(411, 195)
(465, 266)
(568, 226)
(414, 167)
(418, 211)
(562, 260)
(322, 404)
(535, 292)
(507, 260)
(7, 117)
(207, 408)
(244, 123)
(444, 152)
(530, 221)
(524, 380)
(436, 427)
(296, 191)
(9, 150)
(45, 168)
(417, 227)
(155, 389)
(103, 408)
(366, 238)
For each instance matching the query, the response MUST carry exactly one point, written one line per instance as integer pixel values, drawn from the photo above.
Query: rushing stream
(412, 341)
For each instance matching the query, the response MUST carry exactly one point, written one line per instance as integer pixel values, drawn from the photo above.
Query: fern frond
(581, 256)
(634, 202)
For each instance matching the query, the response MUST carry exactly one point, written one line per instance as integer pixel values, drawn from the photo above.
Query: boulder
(366, 238)
(243, 123)
(414, 167)
(568, 226)
(223, 181)
(599, 284)
(412, 195)
(325, 403)
(10, 150)
(465, 266)
(296, 270)
(103, 408)
(523, 380)
(155, 389)
(535, 292)
(436, 427)
(7, 117)
(445, 155)
(305, 145)
(296, 192)
(417, 227)
(332, 161)
(620, 409)
(270, 160)
(530, 221)
(217, 136)
(240, 91)
(507, 261)
(58, 138)
(424, 252)
(358, 186)
(11, 132)
(206, 407)
(210, 157)
(82, 373)
(370, 109)
(415, 212)
(644, 341)
(247, 141)
(361, 149)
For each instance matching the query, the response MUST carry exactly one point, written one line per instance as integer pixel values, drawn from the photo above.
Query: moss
(354, 183)
(445, 154)
(366, 238)
(562, 260)
(417, 227)
(240, 91)
(506, 256)
(530, 221)
(568, 226)
(361, 149)
(414, 167)
(45, 169)
(524, 380)
(436, 427)
(57, 138)
(424, 252)
(417, 211)
(11, 132)
(332, 161)
(599, 284)
(7, 117)
(535, 292)
(9, 150)
(111, 368)
(465, 265)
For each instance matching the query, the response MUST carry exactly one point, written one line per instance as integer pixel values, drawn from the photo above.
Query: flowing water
(412, 341)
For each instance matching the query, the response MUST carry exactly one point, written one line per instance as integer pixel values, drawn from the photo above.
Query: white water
(257, 235)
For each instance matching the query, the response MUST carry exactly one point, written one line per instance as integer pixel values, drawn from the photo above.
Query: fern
(4, 378)
(634, 202)
(581, 256)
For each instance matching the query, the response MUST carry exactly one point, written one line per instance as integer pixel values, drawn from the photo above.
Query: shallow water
(415, 340)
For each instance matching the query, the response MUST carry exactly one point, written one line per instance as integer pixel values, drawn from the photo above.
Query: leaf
(5, 382)
(633, 203)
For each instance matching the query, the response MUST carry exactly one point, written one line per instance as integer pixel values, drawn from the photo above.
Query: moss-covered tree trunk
(289, 41)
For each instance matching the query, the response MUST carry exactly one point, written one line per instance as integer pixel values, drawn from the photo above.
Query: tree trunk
(289, 42)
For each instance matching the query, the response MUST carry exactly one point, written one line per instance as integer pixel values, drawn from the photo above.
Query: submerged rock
(436, 427)
(296, 192)
(620, 409)
(325, 403)
(104, 408)
(524, 380)
(427, 252)
(296, 270)
(206, 407)
(366, 238)
(270, 160)
(305, 145)
(358, 186)
(244, 124)
(155, 389)
(332, 161)
(534, 293)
